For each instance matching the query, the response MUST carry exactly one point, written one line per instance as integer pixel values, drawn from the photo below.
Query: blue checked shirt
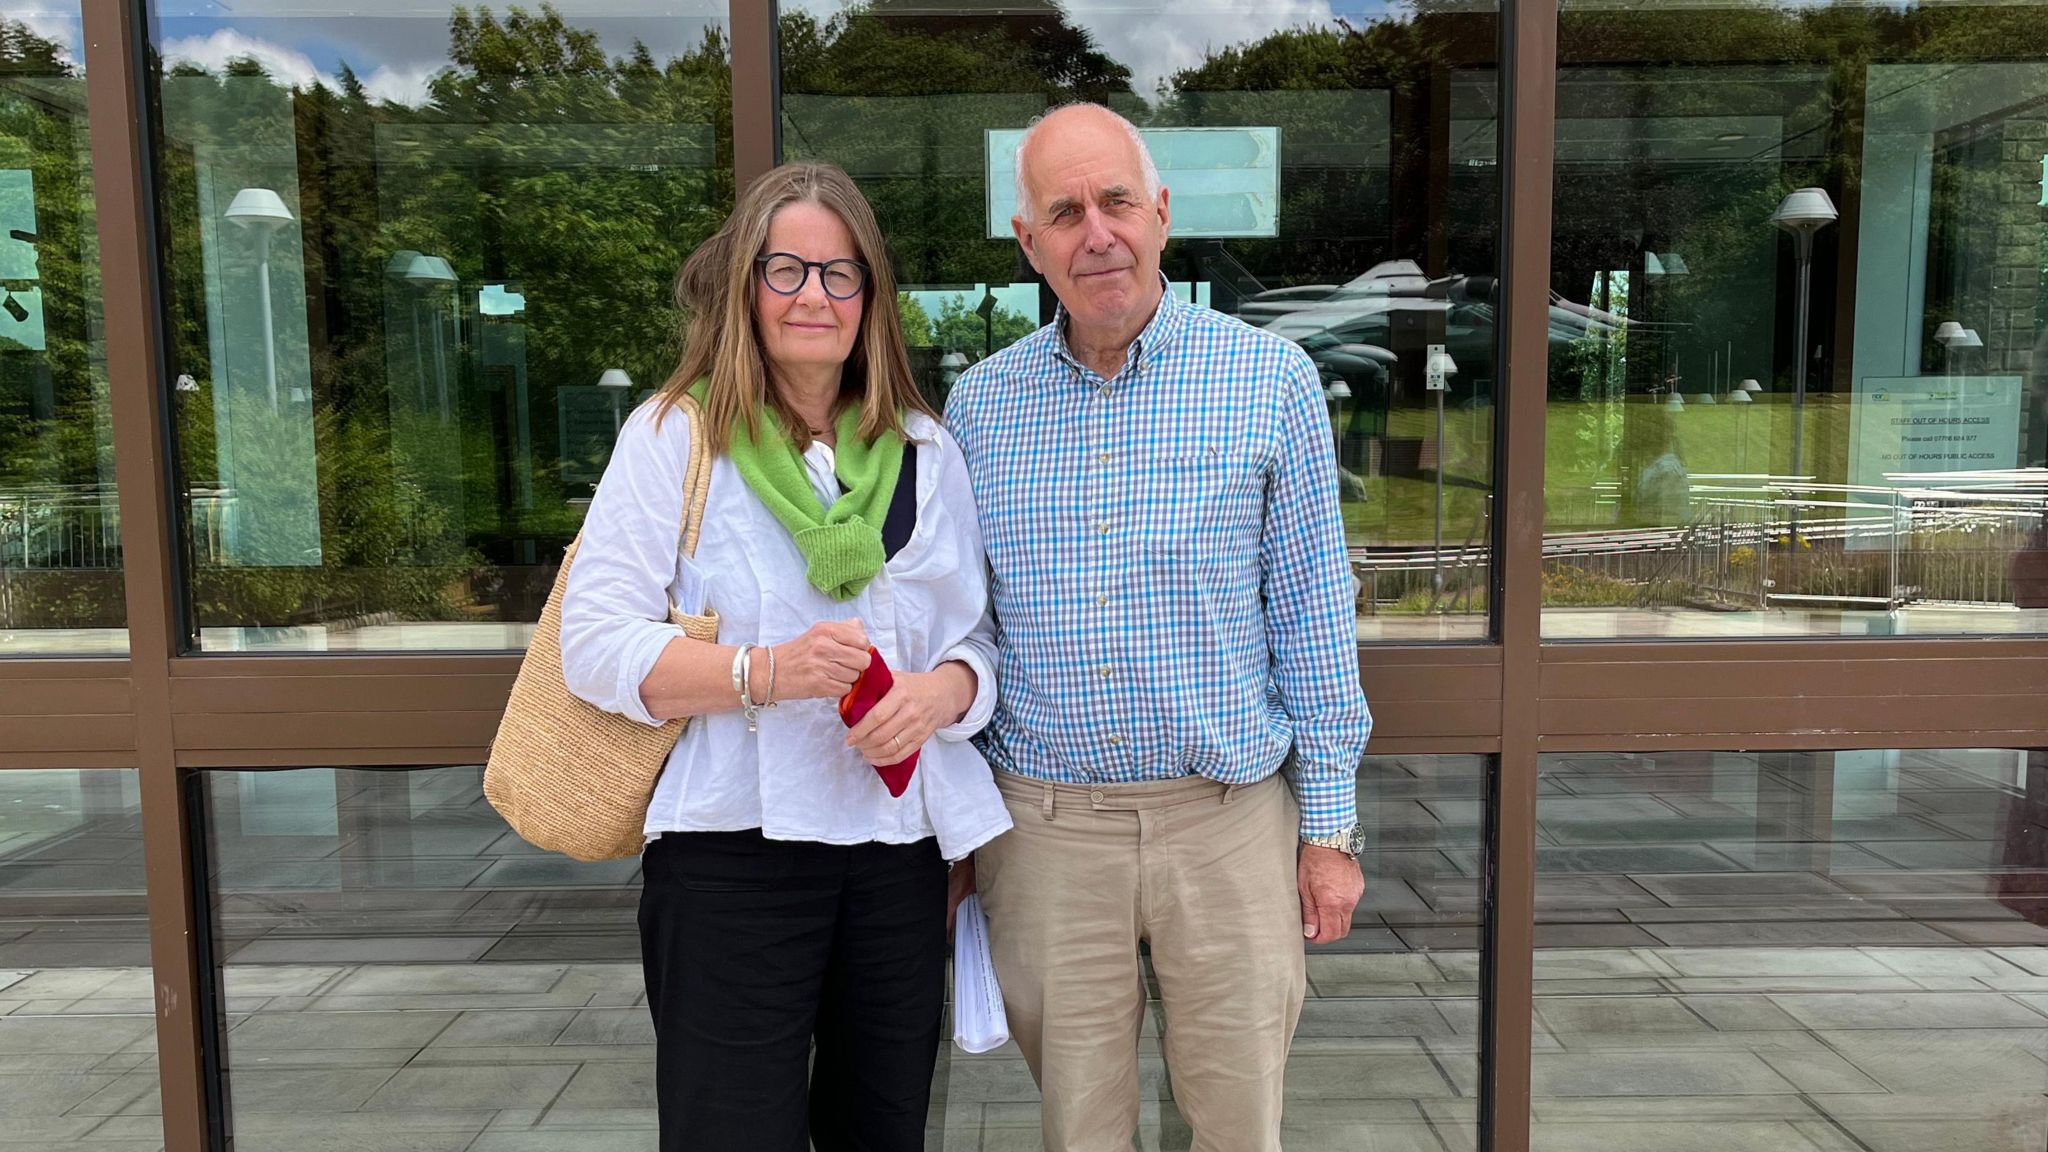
(1171, 591)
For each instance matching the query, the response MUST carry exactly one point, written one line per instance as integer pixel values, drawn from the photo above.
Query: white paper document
(979, 1023)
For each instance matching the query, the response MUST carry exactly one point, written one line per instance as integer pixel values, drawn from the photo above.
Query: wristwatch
(1350, 841)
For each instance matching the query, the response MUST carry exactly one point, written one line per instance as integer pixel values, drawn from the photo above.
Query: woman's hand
(918, 705)
(959, 886)
(823, 662)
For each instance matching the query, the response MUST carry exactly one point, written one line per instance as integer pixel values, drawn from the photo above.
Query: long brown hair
(722, 344)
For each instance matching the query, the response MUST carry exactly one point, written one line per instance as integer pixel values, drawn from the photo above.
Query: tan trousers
(1205, 873)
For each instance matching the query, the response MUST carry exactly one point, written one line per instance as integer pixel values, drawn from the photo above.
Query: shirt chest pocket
(1203, 501)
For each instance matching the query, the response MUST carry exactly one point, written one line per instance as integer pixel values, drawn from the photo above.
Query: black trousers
(754, 950)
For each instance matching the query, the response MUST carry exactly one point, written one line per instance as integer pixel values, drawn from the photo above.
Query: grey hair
(1149, 170)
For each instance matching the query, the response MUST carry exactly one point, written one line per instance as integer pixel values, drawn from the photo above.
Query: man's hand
(959, 886)
(1331, 885)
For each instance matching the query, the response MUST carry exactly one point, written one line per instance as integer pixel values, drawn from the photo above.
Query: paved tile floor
(1750, 953)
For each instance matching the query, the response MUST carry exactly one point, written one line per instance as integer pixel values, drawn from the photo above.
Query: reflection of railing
(59, 527)
(50, 530)
(1944, 539)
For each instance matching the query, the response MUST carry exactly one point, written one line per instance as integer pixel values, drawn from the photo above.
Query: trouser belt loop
(1045, 806)
(1229, 793)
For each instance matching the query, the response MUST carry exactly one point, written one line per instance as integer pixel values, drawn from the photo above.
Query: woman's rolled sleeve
(615, 609)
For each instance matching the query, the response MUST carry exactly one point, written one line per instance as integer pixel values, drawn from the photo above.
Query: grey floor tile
(1565, 1016)
(1364, 1077)
(339, 1030)
(1674, 1136)
(1727, 888)
(31, 1035)
(23, 1096)
(610, 1026)
(559, 872)
(1819, 1072)
(579, 947)
(1938, 1064)
(1792, 933)
(1958, 961)
(430, 979)
(463, 1089)
(553, 1140)
(2034, 960)
(1369, 1018)
(610, 1086)
(1654, 1074)
(1771, 962)
(1740, 1013)
(361, 950)
(1992, 932)
(434, 1131)
(1931, 1010)
(479, 1029)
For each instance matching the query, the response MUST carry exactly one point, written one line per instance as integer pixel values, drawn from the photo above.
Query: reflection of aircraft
(1352, 331)
(1459, 311)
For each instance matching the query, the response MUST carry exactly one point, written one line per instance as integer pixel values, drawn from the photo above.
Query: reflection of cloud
(60, 30)
(403, 85)
(213, 53)
(1154, 43)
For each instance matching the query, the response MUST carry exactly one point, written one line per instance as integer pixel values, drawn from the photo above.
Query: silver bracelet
(739, 672)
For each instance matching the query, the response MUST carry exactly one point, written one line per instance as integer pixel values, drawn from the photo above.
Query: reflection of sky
(1154, 38)
(302, 39)
(58, 23)
(395, 55)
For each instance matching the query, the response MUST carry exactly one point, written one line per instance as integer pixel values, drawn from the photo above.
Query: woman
(789, 898)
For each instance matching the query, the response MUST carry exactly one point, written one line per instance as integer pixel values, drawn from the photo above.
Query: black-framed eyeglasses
(786, 275)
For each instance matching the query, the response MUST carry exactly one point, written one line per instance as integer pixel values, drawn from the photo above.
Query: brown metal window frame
(164, 712)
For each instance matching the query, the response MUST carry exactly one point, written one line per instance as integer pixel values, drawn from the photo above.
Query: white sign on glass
(1933, 424)
(1224, 182)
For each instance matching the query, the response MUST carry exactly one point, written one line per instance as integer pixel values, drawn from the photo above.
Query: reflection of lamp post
(427, 273)
(1338, 392)
(987, 311)
(1740, 394)
(1803, 212)
(1437, 378)
(616, 380)
(263, 212)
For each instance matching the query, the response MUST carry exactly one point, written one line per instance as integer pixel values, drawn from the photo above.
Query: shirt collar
(1155, 336)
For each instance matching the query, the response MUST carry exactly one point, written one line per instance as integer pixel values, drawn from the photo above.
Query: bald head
(1092, 218)
(1082, 117)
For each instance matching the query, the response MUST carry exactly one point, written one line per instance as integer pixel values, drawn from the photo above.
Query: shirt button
(1103, 527)
(1115, 739)
(1107, 671)
(1104, 458)
(1102, 601)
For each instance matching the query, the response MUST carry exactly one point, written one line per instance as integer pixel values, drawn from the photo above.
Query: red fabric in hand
(874, 683)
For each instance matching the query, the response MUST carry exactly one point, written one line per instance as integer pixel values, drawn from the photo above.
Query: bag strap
(696, 476)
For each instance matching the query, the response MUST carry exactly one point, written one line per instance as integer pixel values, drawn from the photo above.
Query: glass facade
(60, 548)
(1812, 240)
(417, 266)
(406, 255)
(77, 1019)
(1792, 950)
(1334, 179)
(397, 960)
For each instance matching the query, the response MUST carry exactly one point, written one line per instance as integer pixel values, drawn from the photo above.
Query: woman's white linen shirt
(795, 779)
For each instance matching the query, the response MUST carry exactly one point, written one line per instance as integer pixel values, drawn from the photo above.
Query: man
(1173, 607)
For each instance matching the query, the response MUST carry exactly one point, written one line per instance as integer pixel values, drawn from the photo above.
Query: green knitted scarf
(841, 546)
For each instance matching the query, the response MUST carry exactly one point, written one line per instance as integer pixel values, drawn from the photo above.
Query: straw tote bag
(567, 775)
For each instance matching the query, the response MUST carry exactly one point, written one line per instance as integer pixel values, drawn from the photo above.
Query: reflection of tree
(55, 439)
(579, 182)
